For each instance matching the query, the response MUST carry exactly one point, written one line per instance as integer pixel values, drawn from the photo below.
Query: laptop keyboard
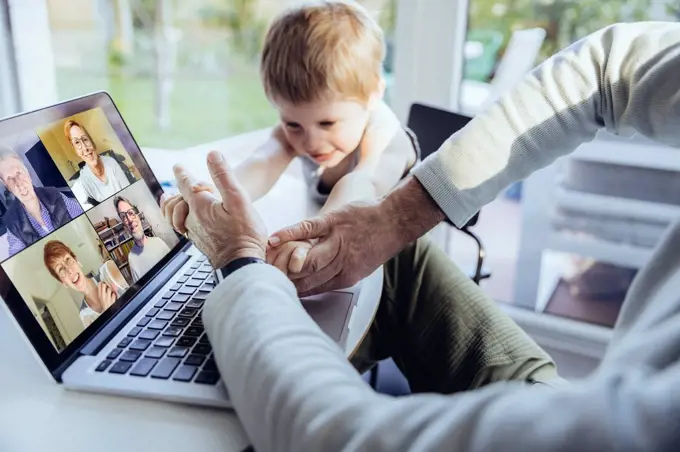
(169, 341)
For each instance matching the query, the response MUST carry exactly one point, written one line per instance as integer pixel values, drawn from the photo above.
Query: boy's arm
(259, 172)
(384, 153)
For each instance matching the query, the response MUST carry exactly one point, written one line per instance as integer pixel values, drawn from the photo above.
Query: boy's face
(327, 130)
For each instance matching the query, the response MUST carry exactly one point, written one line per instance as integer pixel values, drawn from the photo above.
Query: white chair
(518, 59)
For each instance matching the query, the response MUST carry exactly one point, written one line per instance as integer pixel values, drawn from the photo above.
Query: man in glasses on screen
(101, 176)
(32, 212)
(147, 251)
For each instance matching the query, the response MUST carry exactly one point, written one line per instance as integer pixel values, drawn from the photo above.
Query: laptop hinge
(102, 337)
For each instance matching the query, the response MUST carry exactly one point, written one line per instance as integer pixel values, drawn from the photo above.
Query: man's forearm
(412, 210)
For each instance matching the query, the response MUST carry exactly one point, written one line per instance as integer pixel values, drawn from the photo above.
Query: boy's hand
(175, 209)
(289, 257)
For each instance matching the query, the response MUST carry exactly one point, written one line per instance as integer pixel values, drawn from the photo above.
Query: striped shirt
(16, 244)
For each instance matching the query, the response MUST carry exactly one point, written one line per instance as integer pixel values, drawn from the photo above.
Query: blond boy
(321, 68)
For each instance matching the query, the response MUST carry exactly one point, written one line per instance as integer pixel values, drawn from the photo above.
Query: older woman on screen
(99, 292)
(101, 177)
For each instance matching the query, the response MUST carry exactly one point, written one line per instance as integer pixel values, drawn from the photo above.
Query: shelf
(621, 254)
(109, 229)
(614, 206)
(630, 153)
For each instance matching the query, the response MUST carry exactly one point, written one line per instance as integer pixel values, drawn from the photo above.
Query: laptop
(105, 292)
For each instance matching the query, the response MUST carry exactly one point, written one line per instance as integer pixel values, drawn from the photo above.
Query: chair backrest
(433, 126)
(518, 59)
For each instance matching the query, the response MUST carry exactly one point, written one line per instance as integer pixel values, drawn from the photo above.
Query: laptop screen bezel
(23, 316)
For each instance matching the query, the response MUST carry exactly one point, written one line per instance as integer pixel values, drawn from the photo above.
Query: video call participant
(34, 211)
(64, 266)
(147, 251)
(102, 176)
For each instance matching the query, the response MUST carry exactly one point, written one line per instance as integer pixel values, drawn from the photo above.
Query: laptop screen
(80, 222)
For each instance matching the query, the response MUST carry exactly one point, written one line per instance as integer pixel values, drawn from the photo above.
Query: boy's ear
(378, 95)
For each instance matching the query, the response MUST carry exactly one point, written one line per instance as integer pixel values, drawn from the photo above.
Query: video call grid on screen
(65, 247)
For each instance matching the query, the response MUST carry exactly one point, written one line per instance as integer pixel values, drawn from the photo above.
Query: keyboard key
(140, 344)
(114, 353)
(130, 356)
(194, 360)
(120, 367)
(201, 258)
(174, 307)
(201, 276)
(160, 303)
(165, 341)
(134, 331)
(181, 322)
(186, 341)
(173, 331)
(155, 352)
(103, 365)
(178, 352)
(165, 315)
(143, 367)
(195, 331)
(207, 287)
(210, 364)
(168, 295)
(207, 378)
(151, 312)
(202, 349)
(210, 280)
(189, 272)
(194, 304)
(158, 324)
(204, 339)
(175, 287)
(125, 342)
(188, 312)
(165, 368)
(187, 290)
(201, 296)
(144, 322)
(193, 282)
(180, 298)
(185, 373)
(149, 334)
(195, 265)
(198, 321)
(182, 280)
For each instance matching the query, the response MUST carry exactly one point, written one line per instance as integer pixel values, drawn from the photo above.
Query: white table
(38, 415)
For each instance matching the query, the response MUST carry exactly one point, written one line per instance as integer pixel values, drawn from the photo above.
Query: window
(569, 240)
(182, 73)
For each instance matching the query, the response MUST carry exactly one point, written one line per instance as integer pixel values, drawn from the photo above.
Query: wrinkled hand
(289, 257)
(352, 242)
(107, 295)
(223, 229)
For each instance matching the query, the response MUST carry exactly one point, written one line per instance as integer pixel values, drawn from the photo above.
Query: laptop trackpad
(330, 311)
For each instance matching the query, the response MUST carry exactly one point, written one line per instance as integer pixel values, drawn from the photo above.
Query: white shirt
(294, 390)
(89, 185)
(143, 258)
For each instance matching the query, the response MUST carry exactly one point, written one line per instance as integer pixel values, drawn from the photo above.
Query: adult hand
(357, 238)
(107, 295)
(223, 229)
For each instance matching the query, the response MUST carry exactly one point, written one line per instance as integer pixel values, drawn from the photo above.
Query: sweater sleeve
(623, 78)
(294, 390)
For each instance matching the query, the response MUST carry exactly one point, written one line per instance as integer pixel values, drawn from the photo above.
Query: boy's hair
(322, 47)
